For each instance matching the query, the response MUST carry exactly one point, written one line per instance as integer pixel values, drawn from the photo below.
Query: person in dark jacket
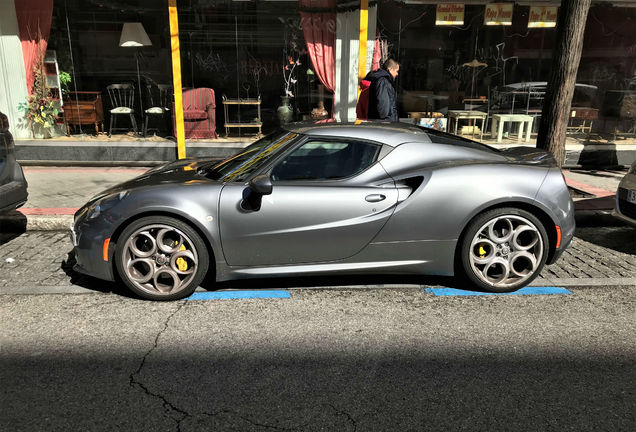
(382, 95)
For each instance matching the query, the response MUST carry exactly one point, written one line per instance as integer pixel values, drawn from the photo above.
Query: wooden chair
(122, 100)
(159, 98)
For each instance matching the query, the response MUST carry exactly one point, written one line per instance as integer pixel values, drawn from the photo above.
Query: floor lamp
(134, 35)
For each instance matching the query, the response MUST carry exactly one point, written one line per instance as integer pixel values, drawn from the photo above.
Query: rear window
(438, 137)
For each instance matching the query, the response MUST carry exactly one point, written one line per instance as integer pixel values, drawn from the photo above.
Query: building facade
(292, 58)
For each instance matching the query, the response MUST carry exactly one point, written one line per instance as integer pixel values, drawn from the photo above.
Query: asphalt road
(357, 354)
(336, 360)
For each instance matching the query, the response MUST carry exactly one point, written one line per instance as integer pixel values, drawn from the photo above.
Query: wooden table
(498, 121)
(458, 115)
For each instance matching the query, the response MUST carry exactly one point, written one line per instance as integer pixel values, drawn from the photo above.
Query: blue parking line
(243, 294)
(522, 291)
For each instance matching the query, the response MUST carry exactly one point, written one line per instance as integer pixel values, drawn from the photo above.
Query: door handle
(374, 197)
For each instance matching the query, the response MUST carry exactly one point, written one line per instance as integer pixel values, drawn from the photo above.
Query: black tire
(503, 266)
(167, 252)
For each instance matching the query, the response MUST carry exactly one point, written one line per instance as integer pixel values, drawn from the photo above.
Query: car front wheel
(161, 258)
(504, 249)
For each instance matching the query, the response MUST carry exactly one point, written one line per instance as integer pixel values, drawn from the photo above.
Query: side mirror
(253, 195)
(261, 184)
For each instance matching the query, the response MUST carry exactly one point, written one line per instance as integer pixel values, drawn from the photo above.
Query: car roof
(392, 134)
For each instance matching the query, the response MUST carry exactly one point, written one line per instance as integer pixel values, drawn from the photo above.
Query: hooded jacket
(382, 97)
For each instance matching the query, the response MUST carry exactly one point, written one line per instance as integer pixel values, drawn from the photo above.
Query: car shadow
(337, 282)
(368, 281)
(91, 283)
(620, 239)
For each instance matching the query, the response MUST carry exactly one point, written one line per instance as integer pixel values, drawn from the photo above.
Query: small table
(458, 115)
(257, 123)
(498, 121)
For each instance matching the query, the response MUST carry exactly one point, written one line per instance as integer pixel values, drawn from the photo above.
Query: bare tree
(565, 63)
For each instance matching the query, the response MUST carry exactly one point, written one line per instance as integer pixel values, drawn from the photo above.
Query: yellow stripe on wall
(176, 77)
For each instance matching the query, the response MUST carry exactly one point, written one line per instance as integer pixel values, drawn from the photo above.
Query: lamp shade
(134, 35)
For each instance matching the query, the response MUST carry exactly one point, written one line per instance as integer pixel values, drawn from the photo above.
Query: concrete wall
(347, 53)
(12, 75)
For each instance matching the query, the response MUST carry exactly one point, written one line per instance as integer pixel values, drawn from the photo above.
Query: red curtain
(319, 29)
(377, 56)
(34, 22)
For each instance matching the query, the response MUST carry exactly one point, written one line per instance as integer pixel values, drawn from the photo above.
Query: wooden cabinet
(84, 108)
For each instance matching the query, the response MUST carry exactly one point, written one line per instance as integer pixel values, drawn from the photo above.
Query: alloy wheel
(159, 259)
(506, 251)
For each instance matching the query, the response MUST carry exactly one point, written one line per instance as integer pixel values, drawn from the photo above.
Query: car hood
(184, 171)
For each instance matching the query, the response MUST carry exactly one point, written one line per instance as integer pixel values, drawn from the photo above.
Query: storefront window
(238, 60)
(504, 68)
(245, 67)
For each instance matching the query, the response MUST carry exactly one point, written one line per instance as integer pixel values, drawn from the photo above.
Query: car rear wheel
(161, 258)
(504, 249)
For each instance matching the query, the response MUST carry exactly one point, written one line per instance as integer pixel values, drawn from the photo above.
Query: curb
(17, 222)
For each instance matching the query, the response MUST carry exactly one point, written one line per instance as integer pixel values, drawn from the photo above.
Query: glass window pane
(322, 160)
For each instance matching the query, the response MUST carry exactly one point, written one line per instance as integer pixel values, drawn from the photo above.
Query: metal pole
(176, 77)
(141, 104)
(364, 28)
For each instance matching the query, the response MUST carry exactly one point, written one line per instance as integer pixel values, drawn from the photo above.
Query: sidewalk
(55, 193)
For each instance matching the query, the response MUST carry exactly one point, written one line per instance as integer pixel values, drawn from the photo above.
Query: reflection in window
(322, 160)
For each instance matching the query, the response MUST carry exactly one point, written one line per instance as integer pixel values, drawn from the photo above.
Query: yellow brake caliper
(482, 252)
(181, 263)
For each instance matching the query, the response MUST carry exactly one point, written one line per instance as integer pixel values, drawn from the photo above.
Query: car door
(329, 199)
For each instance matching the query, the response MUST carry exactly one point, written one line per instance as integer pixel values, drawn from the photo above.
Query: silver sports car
(372, 198)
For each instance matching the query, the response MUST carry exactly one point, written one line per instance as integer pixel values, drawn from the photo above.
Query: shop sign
(542, 16)
(498, 14)
(449, 14)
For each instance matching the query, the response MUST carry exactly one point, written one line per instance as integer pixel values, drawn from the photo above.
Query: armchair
(199, 113)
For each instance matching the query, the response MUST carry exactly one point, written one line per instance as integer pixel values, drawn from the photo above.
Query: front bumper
(88, 242)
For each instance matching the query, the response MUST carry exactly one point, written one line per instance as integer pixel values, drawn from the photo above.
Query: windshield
(238, 167)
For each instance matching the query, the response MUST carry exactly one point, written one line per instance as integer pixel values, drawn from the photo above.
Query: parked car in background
(13, 185)
(370, 198)
(626, 196)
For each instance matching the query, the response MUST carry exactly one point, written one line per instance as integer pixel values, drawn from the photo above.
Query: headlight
(632, 170)
(104, 203)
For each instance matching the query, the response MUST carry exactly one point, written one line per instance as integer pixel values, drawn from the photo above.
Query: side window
(326, 160)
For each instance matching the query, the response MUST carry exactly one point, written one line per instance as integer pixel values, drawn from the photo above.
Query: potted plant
(285, 111)
(39, 109)
(40, 114)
